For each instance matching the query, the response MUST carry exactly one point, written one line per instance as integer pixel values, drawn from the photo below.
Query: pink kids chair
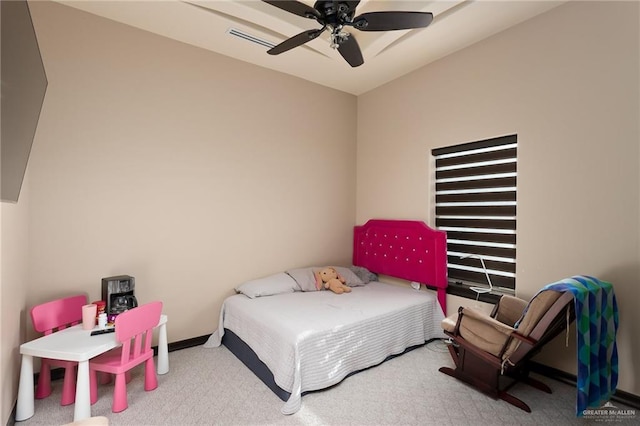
(48, 318)
(134, 329)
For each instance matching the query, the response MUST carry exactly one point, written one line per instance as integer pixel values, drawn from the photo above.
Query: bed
(297, 339)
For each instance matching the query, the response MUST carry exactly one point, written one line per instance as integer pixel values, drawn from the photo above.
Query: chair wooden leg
(482, 386)
(488, 390)
(448, 371)
(514, 401)
(43, 389)
(536, 384)
(481, 376)
(455, 355)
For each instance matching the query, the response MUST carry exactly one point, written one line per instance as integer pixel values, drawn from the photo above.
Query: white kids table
(75, 344)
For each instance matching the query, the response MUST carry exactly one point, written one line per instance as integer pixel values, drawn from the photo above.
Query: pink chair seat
(134, 329)
(48, 318)
(111, 362)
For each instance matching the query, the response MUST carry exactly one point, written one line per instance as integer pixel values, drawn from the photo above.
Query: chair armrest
(484, 332)
(484, 320)
(509, 309)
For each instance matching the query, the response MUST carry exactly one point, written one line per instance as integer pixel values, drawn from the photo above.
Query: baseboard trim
(553, 373)
(187, 343)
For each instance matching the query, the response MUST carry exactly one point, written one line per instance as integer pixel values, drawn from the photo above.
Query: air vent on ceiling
(241, 34)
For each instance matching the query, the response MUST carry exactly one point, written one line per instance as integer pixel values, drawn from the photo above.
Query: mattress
(313, 340)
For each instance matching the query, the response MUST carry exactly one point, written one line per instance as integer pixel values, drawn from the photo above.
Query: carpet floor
(212, 387)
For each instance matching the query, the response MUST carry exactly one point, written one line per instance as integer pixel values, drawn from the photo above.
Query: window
(476, 186)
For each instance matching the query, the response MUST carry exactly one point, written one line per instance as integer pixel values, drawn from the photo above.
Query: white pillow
(268, 286)
(306, 278)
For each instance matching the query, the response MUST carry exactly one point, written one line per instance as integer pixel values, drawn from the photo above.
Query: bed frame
(399, 248)
(244, 353)
(404, 249)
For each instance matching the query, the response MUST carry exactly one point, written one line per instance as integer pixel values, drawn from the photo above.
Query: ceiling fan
(334, 16)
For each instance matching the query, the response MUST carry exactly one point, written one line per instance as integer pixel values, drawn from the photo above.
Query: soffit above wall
(388, 55)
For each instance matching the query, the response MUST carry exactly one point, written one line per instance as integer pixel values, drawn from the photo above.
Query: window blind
(476, 188)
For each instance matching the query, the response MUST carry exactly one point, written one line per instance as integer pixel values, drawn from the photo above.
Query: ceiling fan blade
(295, 41)
(389, 21)
(295, 7)
(350, 51)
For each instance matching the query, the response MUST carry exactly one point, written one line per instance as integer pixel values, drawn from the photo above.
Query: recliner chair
(487, 348)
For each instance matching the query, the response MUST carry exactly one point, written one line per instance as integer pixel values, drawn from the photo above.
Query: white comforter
(312, 340)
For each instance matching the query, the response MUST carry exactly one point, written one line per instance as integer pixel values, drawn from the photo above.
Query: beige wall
(566, 83)
(14, 233)
(172, 164)
(189, 170)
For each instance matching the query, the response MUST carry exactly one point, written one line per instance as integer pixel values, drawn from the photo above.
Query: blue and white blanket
(596, 328)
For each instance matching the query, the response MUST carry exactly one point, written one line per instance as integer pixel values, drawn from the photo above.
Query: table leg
(25, 405)
(82, 409)
(163, 350)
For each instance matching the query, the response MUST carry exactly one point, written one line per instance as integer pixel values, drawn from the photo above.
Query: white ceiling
(387, 55)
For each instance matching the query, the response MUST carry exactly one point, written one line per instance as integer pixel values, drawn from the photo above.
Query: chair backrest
(58, 314)
(134, 329)
(509, 309)
(545, 317)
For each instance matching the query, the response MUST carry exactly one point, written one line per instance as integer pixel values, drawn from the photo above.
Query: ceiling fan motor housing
(335, 14)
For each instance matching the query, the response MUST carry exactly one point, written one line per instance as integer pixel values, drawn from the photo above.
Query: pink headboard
(404, 249)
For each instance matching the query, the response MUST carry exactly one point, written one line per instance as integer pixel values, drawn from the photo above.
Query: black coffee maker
(118, 292)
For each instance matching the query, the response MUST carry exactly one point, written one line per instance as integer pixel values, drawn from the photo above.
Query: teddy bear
(330, 279)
